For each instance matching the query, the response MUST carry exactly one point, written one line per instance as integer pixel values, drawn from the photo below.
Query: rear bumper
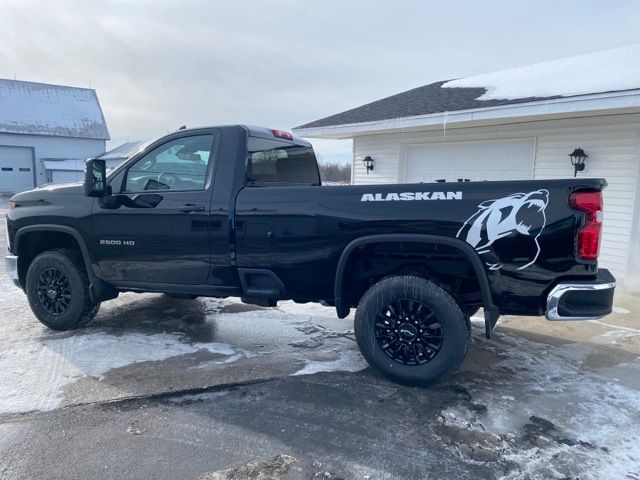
(11, 267)
(582, 299)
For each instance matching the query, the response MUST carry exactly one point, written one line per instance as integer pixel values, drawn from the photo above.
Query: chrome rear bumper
(583, 299)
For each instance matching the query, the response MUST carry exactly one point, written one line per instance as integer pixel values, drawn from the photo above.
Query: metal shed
(42, 124)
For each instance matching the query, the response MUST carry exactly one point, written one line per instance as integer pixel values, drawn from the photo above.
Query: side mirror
(95, 178)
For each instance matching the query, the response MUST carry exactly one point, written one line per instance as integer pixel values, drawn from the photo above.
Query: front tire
(57, 288)
(411, 330)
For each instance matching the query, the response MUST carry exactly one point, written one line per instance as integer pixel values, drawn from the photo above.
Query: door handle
(189, 208)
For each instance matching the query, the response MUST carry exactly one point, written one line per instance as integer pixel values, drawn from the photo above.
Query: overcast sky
(157, 65)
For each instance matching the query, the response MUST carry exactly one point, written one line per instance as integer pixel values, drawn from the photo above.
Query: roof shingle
(423, 100)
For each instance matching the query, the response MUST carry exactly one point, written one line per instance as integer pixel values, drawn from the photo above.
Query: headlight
(12, 205)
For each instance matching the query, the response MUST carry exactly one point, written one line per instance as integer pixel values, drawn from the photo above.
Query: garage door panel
(16, 169)
(62, 176)
(476, 161)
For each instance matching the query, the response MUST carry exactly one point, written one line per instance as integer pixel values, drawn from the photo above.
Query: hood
(44, 191)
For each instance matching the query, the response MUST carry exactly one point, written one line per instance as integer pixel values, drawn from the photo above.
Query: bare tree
(335, 172)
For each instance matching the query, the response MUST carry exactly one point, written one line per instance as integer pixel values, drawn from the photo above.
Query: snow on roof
(598, 72)
(126, 150)
(41, 109)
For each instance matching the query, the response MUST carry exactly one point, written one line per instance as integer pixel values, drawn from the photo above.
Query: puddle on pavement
(144, 344)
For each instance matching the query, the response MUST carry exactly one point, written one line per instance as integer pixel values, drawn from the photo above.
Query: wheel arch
(20, 234)
(490, 310)
(98, 289)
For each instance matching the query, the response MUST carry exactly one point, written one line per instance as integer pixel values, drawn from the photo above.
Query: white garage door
(16, 169)
(475, 161)
(66, 176)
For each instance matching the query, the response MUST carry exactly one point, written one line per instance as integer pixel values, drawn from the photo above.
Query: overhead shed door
(66, 176)
(476, 161)
(16, 169)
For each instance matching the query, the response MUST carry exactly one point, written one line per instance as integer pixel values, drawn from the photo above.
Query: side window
(280, 163)
(180, 164)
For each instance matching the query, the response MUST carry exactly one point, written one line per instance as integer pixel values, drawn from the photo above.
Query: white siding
(613, 154)
(612, 143)
(385, 151)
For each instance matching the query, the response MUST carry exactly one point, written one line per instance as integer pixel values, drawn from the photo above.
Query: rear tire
(57, 288)
(411, 330)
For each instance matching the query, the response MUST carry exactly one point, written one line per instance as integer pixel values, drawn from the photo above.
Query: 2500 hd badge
(118, 243)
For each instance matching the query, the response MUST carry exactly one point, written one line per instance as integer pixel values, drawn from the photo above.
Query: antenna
(183, 127)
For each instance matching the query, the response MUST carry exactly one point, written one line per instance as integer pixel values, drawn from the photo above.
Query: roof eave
(565, 106)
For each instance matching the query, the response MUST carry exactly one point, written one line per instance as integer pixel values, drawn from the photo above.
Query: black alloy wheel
(58, 289)
(54, 291)
(411, 330)
(408, 332)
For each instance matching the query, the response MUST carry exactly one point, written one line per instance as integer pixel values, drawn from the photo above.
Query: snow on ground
(35, 372)
(310, 309)
(38, 365)
(571, 417)
(604, 71)
(348, 361)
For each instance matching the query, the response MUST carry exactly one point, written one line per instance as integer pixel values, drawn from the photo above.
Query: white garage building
(44, 130)
(514, 124)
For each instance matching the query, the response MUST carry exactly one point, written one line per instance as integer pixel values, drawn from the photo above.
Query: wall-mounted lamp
(368, 163)
(577, 160)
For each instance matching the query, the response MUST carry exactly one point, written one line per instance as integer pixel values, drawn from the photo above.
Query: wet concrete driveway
(215, 389)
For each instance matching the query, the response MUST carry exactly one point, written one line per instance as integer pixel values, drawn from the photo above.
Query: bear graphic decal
(517, 214)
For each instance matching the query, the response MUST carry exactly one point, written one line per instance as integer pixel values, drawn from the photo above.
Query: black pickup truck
(240, 211)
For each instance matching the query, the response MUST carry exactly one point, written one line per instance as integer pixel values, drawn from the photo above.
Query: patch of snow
(310, 308)
(230, 359)
(348, 361)
(7, 433)
(620, 309)
(584, 406)
(35, 373)
(603, 71)
(97, 353)
(616, 327)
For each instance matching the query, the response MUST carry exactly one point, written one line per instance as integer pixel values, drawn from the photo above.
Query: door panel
(159, 245)
(166, 240)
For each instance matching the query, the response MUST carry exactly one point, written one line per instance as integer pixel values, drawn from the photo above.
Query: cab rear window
(272, 162)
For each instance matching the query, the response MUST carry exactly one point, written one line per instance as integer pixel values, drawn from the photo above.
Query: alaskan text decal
(407, 196)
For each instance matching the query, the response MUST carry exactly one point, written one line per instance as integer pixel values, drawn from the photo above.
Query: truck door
(154, 229)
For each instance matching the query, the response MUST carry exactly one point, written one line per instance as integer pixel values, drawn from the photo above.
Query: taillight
(282, 134)
(589, 235)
